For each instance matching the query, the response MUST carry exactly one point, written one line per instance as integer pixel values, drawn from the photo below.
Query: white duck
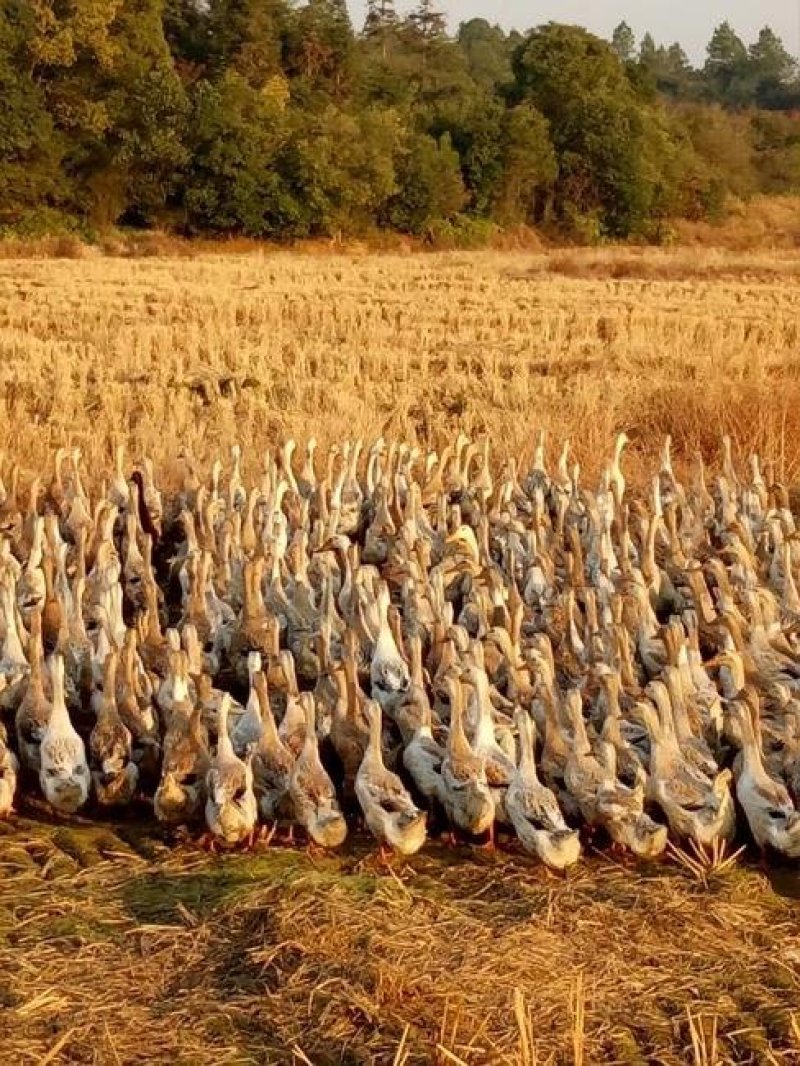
(390, 813)
(64, 773)
(272, 760)
(231, 808)
(9, 769)
(389, 673)
(423, 757)
(246, 729)
(773, 819)
(500, 769)
(533, 808)
(466, 796)
(312, 794)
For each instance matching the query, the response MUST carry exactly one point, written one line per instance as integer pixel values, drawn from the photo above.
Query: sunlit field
(198, 353)
(120, 941)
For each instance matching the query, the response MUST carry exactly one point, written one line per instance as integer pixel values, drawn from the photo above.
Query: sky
(689, 21)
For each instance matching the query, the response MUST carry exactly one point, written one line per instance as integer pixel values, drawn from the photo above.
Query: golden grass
(278, 957)
(114, 949)
(197, 353)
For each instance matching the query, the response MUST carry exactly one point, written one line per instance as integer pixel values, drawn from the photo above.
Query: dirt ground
(117, 946)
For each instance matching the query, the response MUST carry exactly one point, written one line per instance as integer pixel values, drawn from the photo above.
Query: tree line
(275, 119)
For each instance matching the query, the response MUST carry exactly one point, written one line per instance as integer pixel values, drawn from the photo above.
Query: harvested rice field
(123, 940)
(207, 351)
(108, 939)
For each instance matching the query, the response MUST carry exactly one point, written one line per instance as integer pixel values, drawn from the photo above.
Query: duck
(390, 677)
(773, 819)
(533, 809)
(180, 794)
(64, 772)
(423, 757)
(138, 711)
(603, 800)
(231, 809)
(465, 793)
(273, 761)
(315, 806)
(9, 773)
(114, 773)
(670, 614)
(33, 712)
(499, 768)
(389, 811)
(697, 808)
(246, 728)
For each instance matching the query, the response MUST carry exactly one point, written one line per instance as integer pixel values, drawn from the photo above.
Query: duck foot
(490, 843)
(208, 843)
(553, 874)
(266, 833)
(385, 855)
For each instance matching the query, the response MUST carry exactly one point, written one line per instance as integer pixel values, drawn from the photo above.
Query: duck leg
(266, 833)
(384, 855)
(490, 843)
(208, 843)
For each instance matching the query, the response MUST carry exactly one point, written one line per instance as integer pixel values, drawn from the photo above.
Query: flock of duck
(399, 639)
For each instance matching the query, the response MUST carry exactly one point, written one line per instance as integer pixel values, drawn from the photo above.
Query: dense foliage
(275, 119)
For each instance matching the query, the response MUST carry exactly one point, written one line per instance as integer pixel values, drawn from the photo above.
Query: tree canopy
(280, 119)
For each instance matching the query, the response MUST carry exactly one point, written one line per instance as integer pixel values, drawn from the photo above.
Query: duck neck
(12, 642)
(751, 749)
(60, 716)
(375, 734)
(224, 745)
(581, 740)
(527, 761)
(270, 730)
(457, 738)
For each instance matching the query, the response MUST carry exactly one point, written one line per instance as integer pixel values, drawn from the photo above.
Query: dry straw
(279, 957)
(112, 947)
(194, 354)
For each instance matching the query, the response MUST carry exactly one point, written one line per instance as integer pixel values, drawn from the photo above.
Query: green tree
(623, 42)
(246, 36)
(776, 152)
(647, 51)
(430, 185)
(381, 16)
(487, 52)
(597, 125)
(529, 167)
(728, 73)
(773, 69)
(665, 70)
(428, 20)
(232, 184)
(721, 140)
(30, 150)
(319, 46)
(380, 25)
(135, 164)
(188, 33)
(340, 168)
(109, 82)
